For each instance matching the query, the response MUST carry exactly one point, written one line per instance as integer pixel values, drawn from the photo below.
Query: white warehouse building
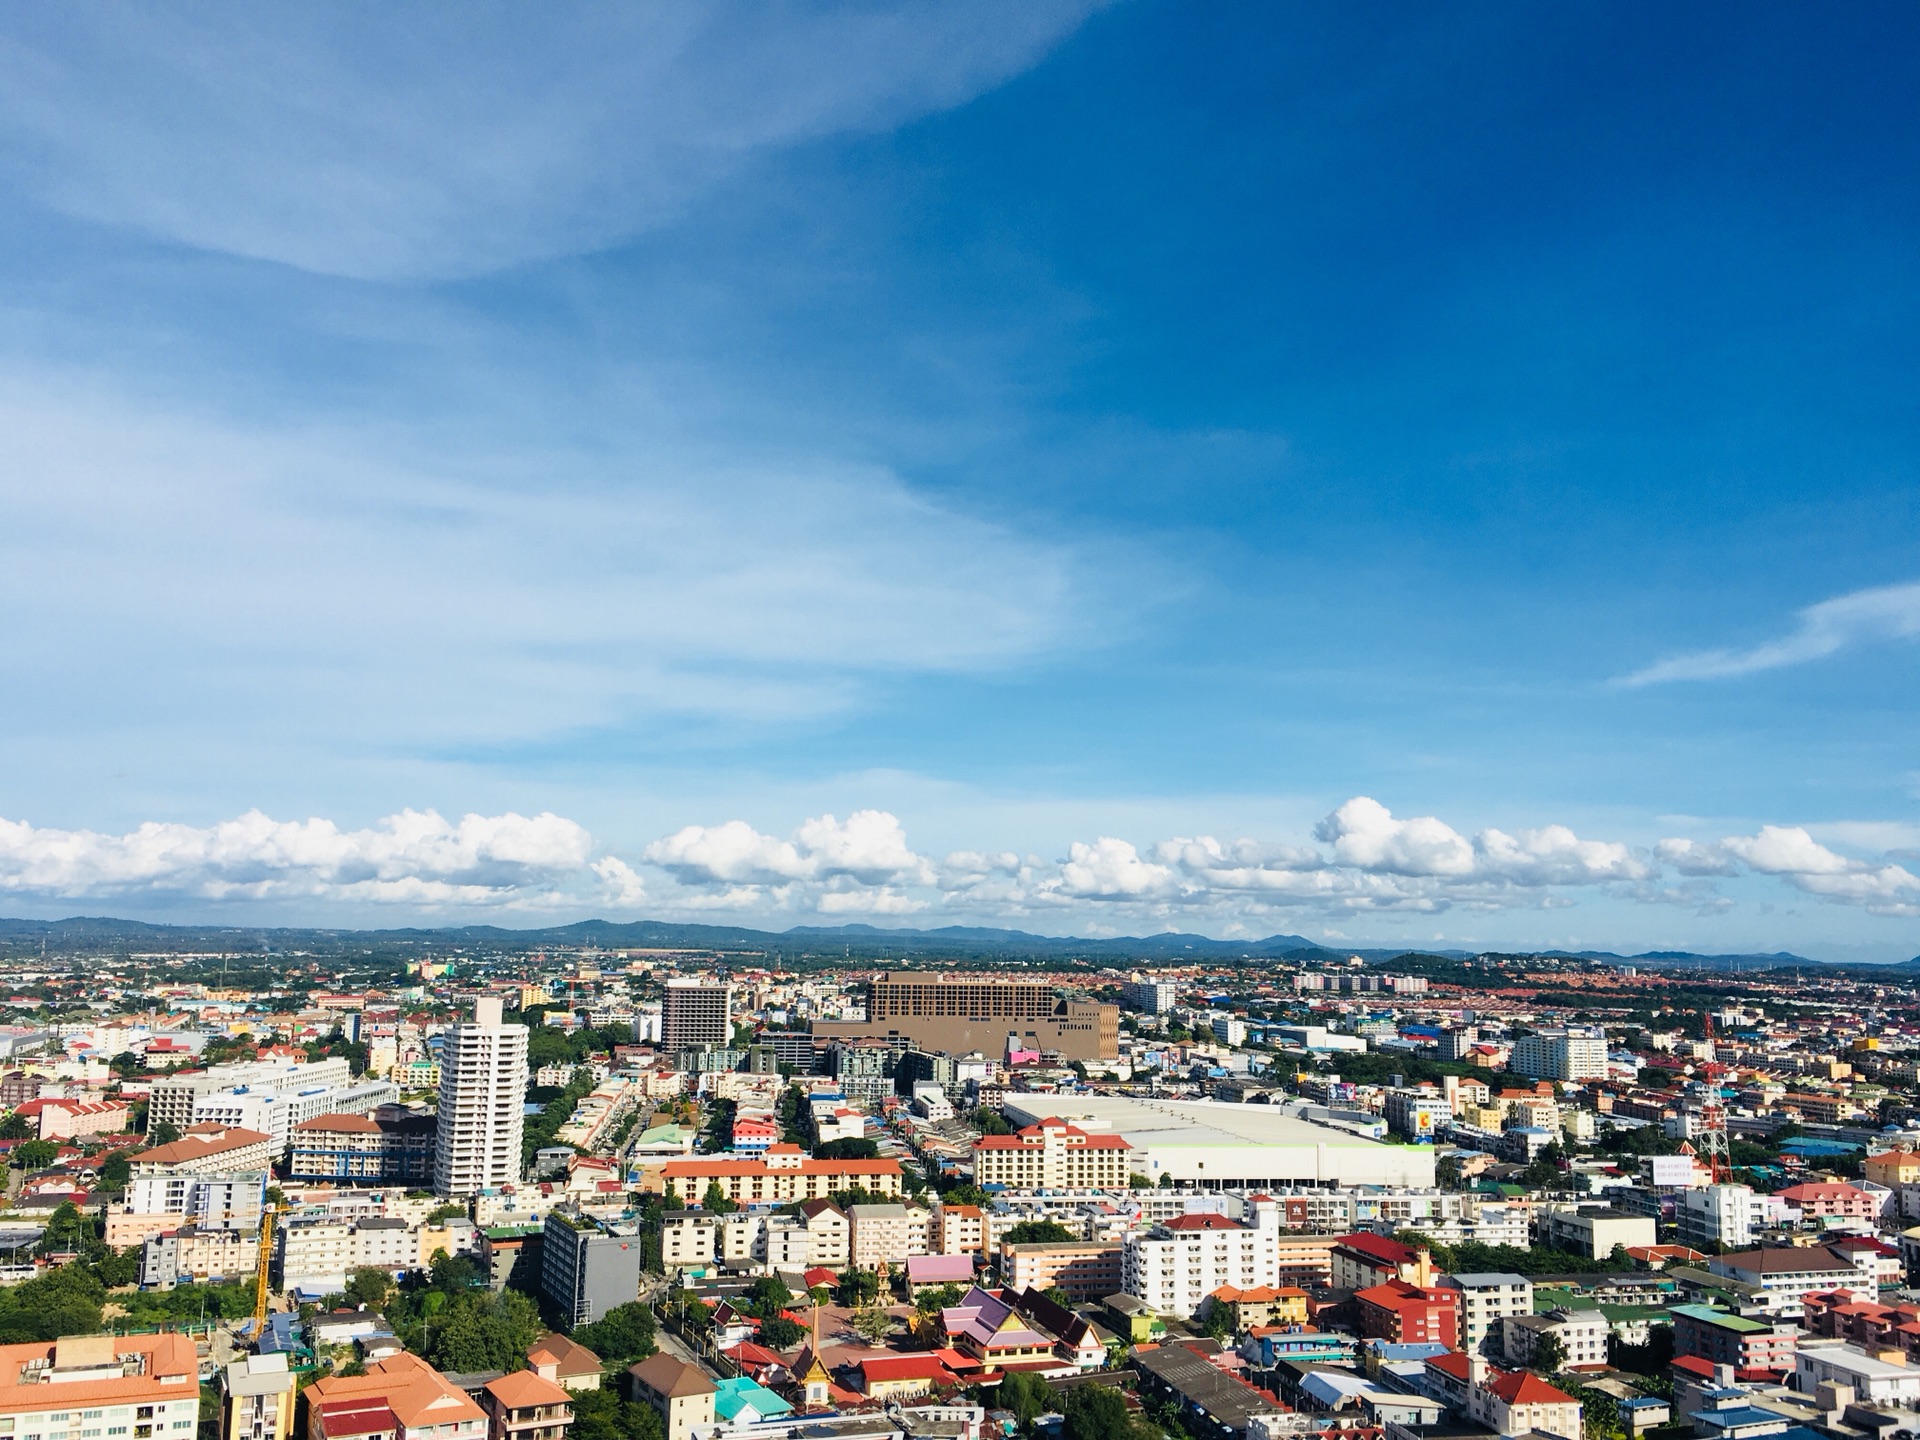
(1220, 1146)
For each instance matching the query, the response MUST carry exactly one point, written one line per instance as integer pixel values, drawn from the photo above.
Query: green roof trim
(1722, 1319)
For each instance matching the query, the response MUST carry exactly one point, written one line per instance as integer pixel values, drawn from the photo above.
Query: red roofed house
(899, 1377)
(1052, 1155)
(399, 1398)
(1408, 1314)
(1261, 1305)
(524, 1405)
(1516, 1402)
(1821, 1201)
(1510, 1402)
(569, 1365)
(1364, 1259)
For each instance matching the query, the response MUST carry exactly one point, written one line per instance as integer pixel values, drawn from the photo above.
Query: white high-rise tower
(483, 1089)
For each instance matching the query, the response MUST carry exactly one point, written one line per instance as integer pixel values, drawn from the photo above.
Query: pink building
(1825, 1200)
(59, 1119)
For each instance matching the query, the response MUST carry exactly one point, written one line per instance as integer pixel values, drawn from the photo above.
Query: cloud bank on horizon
(1365, 861)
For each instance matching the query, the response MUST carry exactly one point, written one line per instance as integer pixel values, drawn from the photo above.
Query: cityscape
(690, 1194)
(959, 720)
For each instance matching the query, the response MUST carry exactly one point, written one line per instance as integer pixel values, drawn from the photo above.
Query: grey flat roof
(1489, 1277)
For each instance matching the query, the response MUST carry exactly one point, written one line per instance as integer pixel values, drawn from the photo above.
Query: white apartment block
(1582, 1335)
(887, 1234)
(1052, 1155)
(229, 1195)
(175, 1096)
(1561, 1054)
(1486, 1299)
(276, 1113)
(1729, 1215)
(1155, 997)
(317, 1253)
(483, 1092)
(1176, 1265)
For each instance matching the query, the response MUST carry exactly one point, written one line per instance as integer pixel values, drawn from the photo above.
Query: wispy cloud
(1864, 617)
(356, 584)
(446, 140)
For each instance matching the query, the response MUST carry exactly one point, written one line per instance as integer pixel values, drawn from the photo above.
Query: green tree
(847, 1150)
(165, 1133)
(858, 1287)
(1549, 1355)
(780, 1333)
(1095, 1412)
(369, 1287)
(1025, 1394)
(484, 1331)
(715, 1201)
(65, 1301)
(17, 1127)
(1038, 1232)
(768, 1296)
(872, 1323)
(936, 1298)
(31, 1155)
(603, 1415)
(621, 1336)
(115, 1171)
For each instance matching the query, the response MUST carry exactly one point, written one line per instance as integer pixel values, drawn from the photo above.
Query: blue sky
(1324, 469)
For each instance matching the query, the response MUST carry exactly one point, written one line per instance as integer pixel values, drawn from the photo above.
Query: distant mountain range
(106, 935)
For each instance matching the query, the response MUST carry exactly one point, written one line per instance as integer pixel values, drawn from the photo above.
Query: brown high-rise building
(695, 1012)
(961, 1014)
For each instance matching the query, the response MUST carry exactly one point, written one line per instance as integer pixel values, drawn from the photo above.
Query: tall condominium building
(959, 1014)
(696, 1012)
(1155, 997)
(1567, 1054)
(483, 1091)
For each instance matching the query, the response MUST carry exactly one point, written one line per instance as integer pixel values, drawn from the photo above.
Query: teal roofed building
(740, 1401)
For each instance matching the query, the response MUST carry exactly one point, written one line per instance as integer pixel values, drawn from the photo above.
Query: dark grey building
(695, 1012)
(586, 1266)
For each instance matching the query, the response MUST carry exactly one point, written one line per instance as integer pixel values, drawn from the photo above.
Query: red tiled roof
(1523, 1387)
(1203, 1222)
(1379, 1247)
(906, 1367)
(702, 1169)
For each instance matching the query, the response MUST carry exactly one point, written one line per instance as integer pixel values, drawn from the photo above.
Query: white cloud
(1792, 854)
(1786, 850)
(1863, 617)
(865, 865)
(869, 848)
(444, 140)
(1364, 834)
(414, 857)
(1111, 869)
(1691, 857)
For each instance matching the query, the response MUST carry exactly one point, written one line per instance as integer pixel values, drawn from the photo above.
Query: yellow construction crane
(261, 1288)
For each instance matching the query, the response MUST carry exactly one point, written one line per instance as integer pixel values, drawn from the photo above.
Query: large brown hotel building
(959, 1015)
